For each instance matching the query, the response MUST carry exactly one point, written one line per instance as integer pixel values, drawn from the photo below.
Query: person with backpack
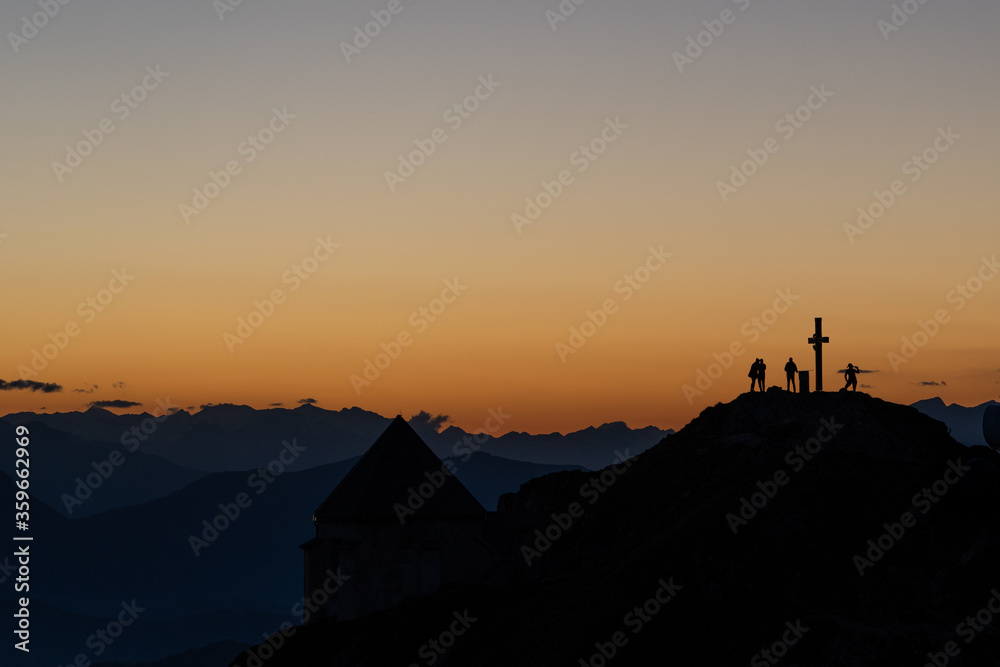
(754, 370)
(790, 370)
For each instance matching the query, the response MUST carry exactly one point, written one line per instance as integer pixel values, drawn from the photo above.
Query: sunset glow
(485, 206)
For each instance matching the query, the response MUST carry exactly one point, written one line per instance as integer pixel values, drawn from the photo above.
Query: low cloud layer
(30, 385)
(117, 403)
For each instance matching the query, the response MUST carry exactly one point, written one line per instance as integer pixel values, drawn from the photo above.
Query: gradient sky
(655, 186)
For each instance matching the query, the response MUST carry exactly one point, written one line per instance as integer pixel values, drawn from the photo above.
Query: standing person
(754, 370)
(851, 375)
(790, 370)
(761, 367)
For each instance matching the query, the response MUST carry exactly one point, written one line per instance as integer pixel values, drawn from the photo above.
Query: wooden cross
(817, 342)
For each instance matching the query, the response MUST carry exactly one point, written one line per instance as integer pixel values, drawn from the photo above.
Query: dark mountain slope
(792, 563)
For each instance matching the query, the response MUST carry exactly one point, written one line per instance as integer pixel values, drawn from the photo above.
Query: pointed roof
(397, 463)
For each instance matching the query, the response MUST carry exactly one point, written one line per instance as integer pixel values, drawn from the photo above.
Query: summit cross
(817, 342)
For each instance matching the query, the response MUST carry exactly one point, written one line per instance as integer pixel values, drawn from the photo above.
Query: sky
(575, 213)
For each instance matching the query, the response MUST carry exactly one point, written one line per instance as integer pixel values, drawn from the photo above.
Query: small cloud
(31, 385)
(276, 405)
(90, 389)
(432, 422)
(867, 386)
(307, 401)
(114, 404)
(932, 383)
(118, 385)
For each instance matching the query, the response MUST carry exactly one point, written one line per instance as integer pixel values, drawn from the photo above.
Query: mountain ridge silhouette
(793, 560)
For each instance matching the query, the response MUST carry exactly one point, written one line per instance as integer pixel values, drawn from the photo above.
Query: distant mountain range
(79, 477)
(964, 424)
(237, 437)
(593, 447)
(128, 533)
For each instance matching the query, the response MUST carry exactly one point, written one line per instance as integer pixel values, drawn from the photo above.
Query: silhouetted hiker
(790, 370)
(851, 375)
(760, 373)
(753, 374)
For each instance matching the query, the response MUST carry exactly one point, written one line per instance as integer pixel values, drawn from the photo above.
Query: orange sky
(605, 78)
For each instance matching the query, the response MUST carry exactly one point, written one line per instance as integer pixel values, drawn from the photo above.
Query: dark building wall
(386, 562)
